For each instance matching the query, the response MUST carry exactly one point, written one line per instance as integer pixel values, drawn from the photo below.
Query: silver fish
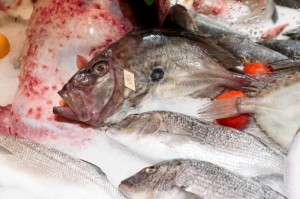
(192, 179)
(249, 51)
(289, 48)
(163, 135)
(157, 64)
(289, 3)
(232, 18)
(48, 173)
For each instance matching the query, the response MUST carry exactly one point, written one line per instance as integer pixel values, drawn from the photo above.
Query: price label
(129, 80)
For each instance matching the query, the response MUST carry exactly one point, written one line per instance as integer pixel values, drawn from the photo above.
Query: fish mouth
(125, 188)
(76, 108)
(91, 104)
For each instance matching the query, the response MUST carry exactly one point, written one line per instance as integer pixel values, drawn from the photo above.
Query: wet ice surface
(113, 158)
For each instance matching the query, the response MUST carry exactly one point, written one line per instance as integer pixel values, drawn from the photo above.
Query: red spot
(54, 87)
(44, 89)
(30, 111)
(44, 66)
(39, 109)
(38, 116)
(56, 70)
(96, 5)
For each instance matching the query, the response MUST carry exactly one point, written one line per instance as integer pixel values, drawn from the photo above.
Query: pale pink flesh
(273, 32)
(58, 32)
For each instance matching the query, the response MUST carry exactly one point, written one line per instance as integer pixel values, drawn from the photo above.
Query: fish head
(152, 182)
(85, 101)
(135, 127)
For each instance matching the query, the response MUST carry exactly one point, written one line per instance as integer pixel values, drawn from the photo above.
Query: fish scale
(175, 135)
(52, 166)
(203, 179)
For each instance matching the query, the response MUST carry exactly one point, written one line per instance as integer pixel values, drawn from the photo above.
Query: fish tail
(244, 82)
(4, 119)
(227, 108)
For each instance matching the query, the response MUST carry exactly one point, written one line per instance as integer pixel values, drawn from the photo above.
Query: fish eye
(101, 69)
(150, 170)
(157, 74)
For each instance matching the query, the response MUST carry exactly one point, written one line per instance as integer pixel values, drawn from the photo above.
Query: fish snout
(125, 187)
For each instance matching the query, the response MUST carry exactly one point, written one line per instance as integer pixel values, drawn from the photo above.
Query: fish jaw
(126, 189)
(91, 99)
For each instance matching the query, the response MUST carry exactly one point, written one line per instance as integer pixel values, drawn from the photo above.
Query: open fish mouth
(76, 108)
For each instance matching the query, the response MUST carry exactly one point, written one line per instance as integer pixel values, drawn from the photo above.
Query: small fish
(275, 107)
(164, 135)
(34, 168)
(192, 179)
(249, 51)
(162, 64)
(234, 18)
(292, 170)
(293, 34)
(289, 48)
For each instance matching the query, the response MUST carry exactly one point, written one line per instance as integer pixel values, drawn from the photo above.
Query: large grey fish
(289, 48)
(46, 173)
(162, 135)
(275, 107)
(192, 179)
(157, 64)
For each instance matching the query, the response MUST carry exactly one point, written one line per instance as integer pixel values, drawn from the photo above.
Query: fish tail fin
(245, 83)
(226, 108)
(4, 119)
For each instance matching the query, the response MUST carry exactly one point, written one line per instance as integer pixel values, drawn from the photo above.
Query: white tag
(129, 80)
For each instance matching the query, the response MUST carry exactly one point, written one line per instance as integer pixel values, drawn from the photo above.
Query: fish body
(33, 168)
(159, 136)
(289, 3)
(183, 178)
(292, 170)
(275, 107)
(221, 18)
(164, 64)
(290, 48)
(249, 51)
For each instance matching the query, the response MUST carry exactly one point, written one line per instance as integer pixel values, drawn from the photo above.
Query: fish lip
(65, 111)
(77, 109)
(124, 188)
